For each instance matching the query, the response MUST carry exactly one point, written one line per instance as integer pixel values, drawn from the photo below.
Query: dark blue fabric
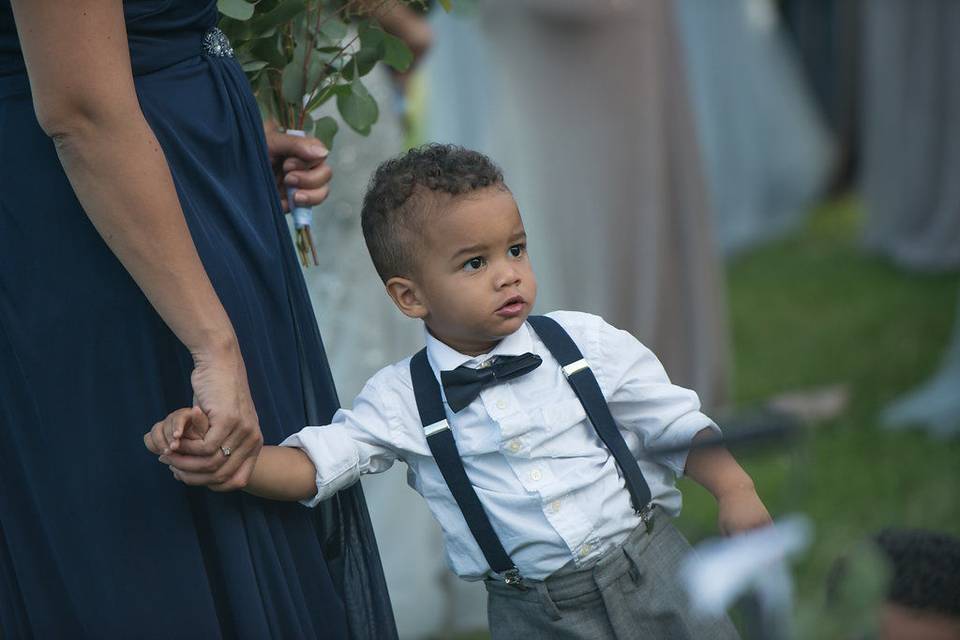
(96, 539)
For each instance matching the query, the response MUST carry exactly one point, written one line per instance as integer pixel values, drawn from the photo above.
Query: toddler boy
(532, 457)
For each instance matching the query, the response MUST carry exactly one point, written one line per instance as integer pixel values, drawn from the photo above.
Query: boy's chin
(509, 325)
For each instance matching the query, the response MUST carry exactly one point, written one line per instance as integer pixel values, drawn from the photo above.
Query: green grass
(815, 310)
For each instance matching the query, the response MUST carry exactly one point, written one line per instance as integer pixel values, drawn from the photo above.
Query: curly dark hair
(405, 189)
(926, 569)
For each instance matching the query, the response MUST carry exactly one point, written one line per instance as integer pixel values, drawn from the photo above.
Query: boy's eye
(473, 264)
(517, 250)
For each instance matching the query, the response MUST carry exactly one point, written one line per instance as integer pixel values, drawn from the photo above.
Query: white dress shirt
(551, 488)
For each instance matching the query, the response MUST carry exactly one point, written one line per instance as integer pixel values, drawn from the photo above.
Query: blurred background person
(911, 159)
(826, 36)
(903, 584)
(769, 154)
(911, 136)
(935, 404)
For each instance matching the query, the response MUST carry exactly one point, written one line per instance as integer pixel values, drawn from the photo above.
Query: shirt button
(585, 550)
(515, 446)
(555, 506)
(535, 475)
(501, 404)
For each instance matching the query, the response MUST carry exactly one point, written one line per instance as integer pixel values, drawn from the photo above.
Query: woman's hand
(299, 163)
(224, 458)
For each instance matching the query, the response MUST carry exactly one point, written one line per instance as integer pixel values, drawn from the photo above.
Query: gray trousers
(631, 592)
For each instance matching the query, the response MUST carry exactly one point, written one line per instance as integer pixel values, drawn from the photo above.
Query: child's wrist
(735, 487)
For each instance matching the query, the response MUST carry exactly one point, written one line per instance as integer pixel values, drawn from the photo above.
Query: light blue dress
(768, 152)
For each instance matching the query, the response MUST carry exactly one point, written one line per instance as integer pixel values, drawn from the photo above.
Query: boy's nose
(508, 276)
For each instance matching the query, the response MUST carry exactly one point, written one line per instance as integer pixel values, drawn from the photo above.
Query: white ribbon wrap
(302, 216)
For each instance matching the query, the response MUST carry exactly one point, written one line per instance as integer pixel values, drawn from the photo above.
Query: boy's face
(474, 284)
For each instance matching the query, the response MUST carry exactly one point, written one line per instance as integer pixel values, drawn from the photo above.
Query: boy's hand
(741, 510)
(186, 424)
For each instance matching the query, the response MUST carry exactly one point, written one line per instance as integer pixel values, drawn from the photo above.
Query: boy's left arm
(713, 468)
(663, 415)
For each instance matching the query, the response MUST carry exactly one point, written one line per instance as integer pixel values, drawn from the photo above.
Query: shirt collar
(445, 358)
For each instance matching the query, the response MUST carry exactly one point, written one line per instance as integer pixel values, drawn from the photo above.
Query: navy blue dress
(96, 539)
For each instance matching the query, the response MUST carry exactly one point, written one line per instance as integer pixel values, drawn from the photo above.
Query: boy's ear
(403, 292)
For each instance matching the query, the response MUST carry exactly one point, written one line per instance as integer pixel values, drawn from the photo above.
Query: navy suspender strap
(426, 389)
(585, 385)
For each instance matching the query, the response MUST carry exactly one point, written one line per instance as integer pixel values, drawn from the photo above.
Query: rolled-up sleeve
(356, 442)
(642, 399)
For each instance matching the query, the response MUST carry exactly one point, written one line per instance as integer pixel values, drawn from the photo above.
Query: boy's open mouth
(512, 307)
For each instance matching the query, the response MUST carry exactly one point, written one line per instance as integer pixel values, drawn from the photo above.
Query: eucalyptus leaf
(396, 53)
(300, 30)
(371, 37)
(265, 98)
(254, 65)
(236, 9)
(358, 108)
(290, 59)
(349, 69)
(300, 53)
(316, 71)
(236, 31)
(325, 128)
(292, 85)
(324, 94)
(334, 29)
(372, 49)
(269, 49)
(361, 61)
(282, 14)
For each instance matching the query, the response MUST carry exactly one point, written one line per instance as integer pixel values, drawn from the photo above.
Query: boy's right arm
(283, 473)
(309, 466)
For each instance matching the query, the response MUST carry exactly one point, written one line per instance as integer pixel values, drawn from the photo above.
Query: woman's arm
(79, 66)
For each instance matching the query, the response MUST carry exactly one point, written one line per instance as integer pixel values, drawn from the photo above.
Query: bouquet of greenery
(300, 54)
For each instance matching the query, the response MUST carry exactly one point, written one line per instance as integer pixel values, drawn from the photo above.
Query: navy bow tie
(463, 384)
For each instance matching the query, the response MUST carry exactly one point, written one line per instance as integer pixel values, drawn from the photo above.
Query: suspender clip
(646, 516)
(574, 367)
(512, 578)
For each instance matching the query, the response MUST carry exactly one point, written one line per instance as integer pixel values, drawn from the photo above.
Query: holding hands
(216, 443)
(165, 436)
(181, 431)
(279, 473)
